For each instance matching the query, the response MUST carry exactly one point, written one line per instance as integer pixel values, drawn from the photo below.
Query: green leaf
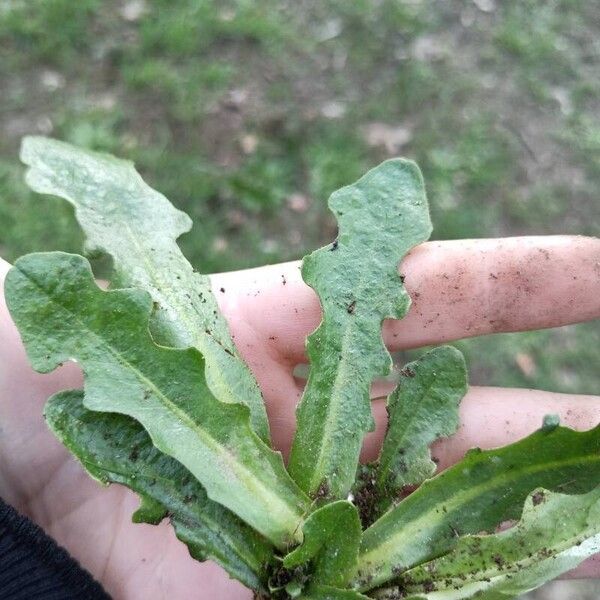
(62, 315)
(331, 539)
(324, 592)
(124, 217)
(423, 408)
(477, 494)
(149, 511)
(554, 535)
(381, 217)
(114, 448)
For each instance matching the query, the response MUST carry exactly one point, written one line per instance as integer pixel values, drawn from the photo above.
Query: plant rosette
(170, 410)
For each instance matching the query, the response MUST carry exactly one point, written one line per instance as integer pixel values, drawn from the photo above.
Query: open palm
(459, 289)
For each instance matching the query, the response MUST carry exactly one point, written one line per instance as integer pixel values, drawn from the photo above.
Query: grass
(248, 114)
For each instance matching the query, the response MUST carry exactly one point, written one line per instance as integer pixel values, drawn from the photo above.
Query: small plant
(170, 410)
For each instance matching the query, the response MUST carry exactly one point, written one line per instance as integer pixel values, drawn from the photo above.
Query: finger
(459, 289)
(491, 417)
(23, 430)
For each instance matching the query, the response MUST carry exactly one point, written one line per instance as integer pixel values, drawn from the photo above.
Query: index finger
(459, 289)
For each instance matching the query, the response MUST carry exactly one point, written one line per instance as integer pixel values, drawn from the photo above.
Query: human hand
(459, 289)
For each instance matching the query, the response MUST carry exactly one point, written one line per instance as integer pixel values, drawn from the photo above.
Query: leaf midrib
(490, 575)
(385, 468)
(333, 408)
(160, 285)
(247, 476)
(330, 422)
(172, 300)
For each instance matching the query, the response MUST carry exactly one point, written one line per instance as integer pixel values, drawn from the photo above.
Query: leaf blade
(331, 539)
(422, 409)
(62, 314)
(555, 534)
(358, 284)
(114, 448)
(124, 217)
(478, 493)
(323, 592)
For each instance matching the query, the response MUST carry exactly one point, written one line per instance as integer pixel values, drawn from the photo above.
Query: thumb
(27, 448)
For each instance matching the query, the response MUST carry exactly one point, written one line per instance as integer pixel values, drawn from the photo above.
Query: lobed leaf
(331, 539)
(381, 217)
(477, 494)
(114, 448)
(555, 534)
(62, 315)
(124, 217)
(323, 592)
(423, 408)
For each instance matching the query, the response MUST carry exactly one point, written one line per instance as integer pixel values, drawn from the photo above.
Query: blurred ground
(248, 114)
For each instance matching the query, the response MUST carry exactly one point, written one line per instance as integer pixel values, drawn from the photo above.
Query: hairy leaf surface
(477, 494)
(324, 592)
(331, 540)
(124, 217)
(423, 408)
(554, 535)
(114, 448)
(62, 315)
(381, 217)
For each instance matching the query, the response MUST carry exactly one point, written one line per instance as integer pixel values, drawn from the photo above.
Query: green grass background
(248, 114)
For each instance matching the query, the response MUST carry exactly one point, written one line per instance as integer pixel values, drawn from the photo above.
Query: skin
(459, 289)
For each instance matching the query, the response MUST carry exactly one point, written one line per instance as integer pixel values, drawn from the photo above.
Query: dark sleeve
(34, 567)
